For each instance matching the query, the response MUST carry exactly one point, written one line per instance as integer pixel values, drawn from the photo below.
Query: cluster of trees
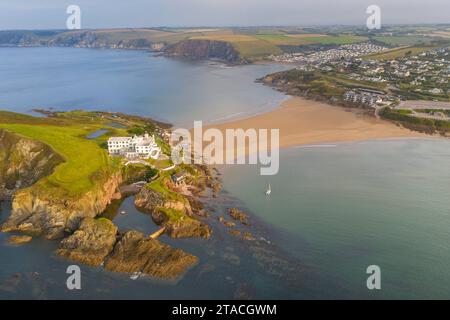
(139, 131)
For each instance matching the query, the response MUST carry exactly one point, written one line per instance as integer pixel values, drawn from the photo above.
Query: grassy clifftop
(258, 46)
(85, 161)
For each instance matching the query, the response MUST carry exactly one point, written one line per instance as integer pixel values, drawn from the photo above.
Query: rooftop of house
(177, 177)
(119, 139)
(138, 140)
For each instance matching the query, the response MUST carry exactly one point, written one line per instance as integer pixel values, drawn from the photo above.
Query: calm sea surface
(131, 81)
(333, 210)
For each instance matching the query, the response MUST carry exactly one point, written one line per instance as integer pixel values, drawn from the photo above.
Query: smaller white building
(143, 147)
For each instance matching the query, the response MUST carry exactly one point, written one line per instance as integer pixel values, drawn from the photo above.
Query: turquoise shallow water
(343, 208)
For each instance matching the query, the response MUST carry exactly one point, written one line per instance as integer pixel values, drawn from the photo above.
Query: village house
(136, 147)
(364, 98)
(179, 177)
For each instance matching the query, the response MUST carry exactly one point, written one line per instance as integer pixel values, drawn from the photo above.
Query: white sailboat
(269, 191)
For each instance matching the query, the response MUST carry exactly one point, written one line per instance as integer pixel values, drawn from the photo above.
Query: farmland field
(254, 46)
(400, 41)
(337, 39)
(398, 53)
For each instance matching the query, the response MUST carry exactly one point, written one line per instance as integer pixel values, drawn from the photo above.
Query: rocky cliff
(23, 162)
(205, 49)
(189, 48)
(90, 39)
(53, 217)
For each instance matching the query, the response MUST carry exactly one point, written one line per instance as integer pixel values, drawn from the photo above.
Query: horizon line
(236, 26)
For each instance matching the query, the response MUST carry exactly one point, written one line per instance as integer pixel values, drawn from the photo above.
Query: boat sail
(269, 191)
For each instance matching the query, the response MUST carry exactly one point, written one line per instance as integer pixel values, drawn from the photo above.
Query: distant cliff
(197, 49)
(80, 39)
(205, 49)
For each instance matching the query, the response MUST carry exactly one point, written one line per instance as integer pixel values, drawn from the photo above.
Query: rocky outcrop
(137, 253)
(23, 162)
(187, 228)
(91, 243)
(19, 239)
(228, 224)
(151, 200)
(96, 243)
(53, 217)
(242, 235)
(238, 215)
(205, 49)
(173, 214)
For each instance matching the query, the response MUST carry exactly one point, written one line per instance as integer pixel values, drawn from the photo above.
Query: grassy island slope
(84, 159)
(83, 183)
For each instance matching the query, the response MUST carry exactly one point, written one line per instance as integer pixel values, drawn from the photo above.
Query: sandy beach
(304, 122)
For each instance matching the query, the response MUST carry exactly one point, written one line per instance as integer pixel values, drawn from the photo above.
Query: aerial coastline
(97, 178)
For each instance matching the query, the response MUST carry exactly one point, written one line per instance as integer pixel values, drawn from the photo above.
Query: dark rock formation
(175, 214)
(239, 216)
(228, 224)
(151, 200)
(53, 217)
(137, 253)
(91, 243)
(20, 239)
(187, 228)
(23, 162)
(235, 233)
(205, 49)
(247, 236)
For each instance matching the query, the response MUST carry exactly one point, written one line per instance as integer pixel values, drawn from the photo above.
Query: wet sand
(304, 122)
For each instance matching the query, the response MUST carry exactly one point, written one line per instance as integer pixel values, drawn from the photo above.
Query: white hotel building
(144, 147)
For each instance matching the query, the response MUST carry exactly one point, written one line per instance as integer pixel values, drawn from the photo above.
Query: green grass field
(86, 161)
(256, 49)
(338, 40)
(398, 53)
(400, 41)
(256, 46)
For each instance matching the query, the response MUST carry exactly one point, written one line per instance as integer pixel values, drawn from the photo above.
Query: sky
(51, 14)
